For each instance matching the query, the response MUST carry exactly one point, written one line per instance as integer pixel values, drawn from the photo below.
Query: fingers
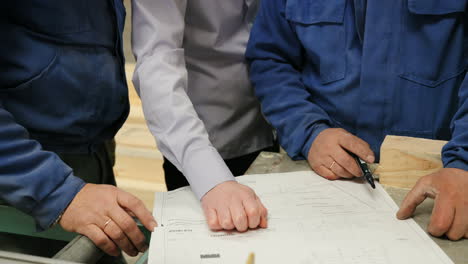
(358, 147)
(128, 227)
(450, 212)
(100, 239)
(442, 216)
(326, 173)
(239, 216)
(232, 205)
(225, 218)
(263, 214)
(346, 161)
(253, 210)
(137, 207)
(212, 219)
(337, 166)
(332, 146)
(242, 213)
(459, 227)
(118, 237)
(414, 198)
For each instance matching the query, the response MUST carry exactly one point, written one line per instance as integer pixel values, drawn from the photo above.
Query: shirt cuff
(315, 132)
(50, 208)
(457, 164)
(204, 169)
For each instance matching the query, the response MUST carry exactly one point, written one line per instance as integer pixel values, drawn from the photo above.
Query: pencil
(251, 259)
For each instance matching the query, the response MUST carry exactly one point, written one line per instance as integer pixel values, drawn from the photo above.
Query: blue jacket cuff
(457, 164)
(315, 132)
(49, 209)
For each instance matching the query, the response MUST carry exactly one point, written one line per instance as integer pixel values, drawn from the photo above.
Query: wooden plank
(132, 94)
(139, 165)
(136, 135)
(403, 160)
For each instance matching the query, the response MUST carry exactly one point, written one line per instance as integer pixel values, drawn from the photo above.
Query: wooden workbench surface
(279, 162)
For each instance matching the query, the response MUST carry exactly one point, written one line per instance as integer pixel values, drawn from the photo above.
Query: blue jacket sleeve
(34, 181)
(275, 56)
(455, 152)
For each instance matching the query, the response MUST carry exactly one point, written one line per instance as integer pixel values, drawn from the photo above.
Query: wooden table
(268, 162)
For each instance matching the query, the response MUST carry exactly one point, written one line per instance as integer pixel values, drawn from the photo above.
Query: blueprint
(310, 220)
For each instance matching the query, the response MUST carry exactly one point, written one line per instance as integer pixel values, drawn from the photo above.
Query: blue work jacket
(371, 67)
(62, 89)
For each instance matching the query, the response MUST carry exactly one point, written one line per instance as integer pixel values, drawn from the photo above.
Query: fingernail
(370, 159)
(400, 216)
(154, 225)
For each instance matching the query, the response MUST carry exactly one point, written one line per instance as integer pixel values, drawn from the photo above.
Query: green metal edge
(143, 259)
(14, 221)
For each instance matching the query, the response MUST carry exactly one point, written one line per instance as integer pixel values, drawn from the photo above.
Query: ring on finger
(107, 222)
(331, 166)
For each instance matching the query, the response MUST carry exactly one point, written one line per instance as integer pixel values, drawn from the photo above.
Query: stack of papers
(310, 220)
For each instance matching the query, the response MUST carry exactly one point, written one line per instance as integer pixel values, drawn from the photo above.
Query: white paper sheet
(311, 220)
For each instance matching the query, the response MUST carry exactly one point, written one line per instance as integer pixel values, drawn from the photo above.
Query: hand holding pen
(367, 174)
(329, 156)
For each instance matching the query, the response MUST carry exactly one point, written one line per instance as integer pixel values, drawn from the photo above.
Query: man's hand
(450, 214)
(104, 213)
(328, 156)
(231, 205)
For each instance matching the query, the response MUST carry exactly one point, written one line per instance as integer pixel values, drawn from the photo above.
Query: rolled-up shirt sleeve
(160, 79)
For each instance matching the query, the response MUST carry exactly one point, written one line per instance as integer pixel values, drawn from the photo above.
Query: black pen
(365, 170)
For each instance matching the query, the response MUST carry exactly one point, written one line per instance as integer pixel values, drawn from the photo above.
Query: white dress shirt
(193, 81)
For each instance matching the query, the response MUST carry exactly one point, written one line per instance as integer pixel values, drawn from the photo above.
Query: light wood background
(138, 166)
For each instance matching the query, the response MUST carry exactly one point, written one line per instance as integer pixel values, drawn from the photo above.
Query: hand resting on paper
(231, 205)
(449, 188)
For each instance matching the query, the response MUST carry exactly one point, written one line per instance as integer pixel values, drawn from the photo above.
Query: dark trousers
(238, 166)
(97, 167)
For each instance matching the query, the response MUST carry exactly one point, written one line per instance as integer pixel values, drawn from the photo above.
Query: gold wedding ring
(107, 222)
(331, 166)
